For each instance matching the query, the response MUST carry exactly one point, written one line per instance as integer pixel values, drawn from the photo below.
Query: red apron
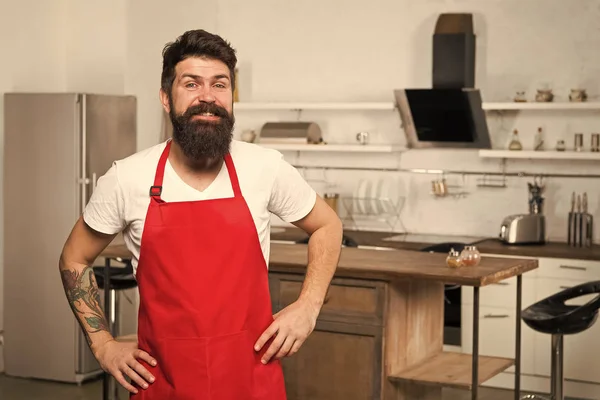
(204, 299)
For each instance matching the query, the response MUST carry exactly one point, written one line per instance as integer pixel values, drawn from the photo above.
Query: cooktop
(433, 238)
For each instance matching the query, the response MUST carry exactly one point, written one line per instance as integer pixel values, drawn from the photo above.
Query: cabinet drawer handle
(496, 316)
(502, 283)
(573, 267)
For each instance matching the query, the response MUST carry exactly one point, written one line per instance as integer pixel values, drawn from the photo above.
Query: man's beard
(201, 140)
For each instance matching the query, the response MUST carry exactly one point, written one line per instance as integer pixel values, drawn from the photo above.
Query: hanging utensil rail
(452, 172)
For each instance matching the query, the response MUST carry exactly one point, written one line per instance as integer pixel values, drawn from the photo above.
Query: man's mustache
(206, 108)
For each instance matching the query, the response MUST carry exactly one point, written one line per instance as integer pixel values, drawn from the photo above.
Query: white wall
(299, 54)
(32, 41)
(308, 51)
(96, 44)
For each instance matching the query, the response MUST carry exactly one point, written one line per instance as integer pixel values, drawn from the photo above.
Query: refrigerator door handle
(83, 182)
(94, 180)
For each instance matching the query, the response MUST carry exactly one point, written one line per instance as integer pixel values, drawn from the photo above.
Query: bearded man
(195, 213)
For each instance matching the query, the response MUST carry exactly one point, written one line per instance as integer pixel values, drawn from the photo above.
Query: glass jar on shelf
(470, 256)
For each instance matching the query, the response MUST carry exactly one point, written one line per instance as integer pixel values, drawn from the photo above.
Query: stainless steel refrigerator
(56, 146)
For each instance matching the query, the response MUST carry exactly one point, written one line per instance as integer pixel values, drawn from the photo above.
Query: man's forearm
(84, 298)
(324, 249)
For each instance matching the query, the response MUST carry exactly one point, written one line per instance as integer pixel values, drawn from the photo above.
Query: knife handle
(589, 227)
(570, 229)
(576, 229)
(580, 217)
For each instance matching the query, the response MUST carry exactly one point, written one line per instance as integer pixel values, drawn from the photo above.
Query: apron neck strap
(235, 183)
(156, 189)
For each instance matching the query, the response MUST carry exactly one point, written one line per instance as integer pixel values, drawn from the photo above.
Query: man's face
(200, 108)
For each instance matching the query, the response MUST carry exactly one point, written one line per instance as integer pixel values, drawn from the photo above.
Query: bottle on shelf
(538, 143)
(515, 143)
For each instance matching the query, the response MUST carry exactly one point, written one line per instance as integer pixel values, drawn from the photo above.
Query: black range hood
(450, 114)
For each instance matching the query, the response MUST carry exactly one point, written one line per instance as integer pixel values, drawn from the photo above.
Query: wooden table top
(385, 265)
(403, 264)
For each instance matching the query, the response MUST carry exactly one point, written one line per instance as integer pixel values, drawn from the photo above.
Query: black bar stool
(554, 317)
(120, 278)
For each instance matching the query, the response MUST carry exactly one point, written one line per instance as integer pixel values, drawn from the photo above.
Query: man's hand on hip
(291, 327)
(120, 359)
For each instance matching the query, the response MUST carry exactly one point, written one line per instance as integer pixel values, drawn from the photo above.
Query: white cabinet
(497, 335)
(502, 294)
(564, 268)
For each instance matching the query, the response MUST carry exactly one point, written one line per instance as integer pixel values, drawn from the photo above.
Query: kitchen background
(340, 51)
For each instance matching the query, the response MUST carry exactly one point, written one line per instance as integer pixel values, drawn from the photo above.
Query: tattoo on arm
(84, 298)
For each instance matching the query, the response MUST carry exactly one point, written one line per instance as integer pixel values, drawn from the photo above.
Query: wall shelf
(540, 155)
(390, 106)
(541, 106)
(268, 106)
(349, 148)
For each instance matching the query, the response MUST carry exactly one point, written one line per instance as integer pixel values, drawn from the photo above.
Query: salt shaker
(453, 260)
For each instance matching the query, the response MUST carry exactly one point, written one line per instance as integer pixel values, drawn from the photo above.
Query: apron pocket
(231, 362)
(185, 368)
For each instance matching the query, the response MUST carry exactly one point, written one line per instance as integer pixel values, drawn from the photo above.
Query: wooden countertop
(386, 265)
(402, 264)
(490, 246)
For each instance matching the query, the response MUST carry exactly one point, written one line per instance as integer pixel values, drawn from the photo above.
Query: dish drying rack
(373, 209)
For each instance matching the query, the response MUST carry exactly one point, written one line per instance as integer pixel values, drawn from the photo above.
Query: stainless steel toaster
(523, 229)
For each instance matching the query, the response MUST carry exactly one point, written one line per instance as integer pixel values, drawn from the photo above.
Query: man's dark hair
(196, 43)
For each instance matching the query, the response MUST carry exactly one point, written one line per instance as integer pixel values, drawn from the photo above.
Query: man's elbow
(321, 218)
(335, 226)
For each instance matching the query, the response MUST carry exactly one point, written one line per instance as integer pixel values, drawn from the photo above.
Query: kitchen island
(380, 332)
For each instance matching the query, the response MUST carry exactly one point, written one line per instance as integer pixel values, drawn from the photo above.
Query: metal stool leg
(557, 379)
(556, 372)
(109, 386)
(106, 379)
(114, 324)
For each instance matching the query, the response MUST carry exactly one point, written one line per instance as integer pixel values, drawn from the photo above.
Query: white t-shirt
(268, 183)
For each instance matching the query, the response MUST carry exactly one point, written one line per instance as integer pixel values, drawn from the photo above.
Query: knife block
(580, 229)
